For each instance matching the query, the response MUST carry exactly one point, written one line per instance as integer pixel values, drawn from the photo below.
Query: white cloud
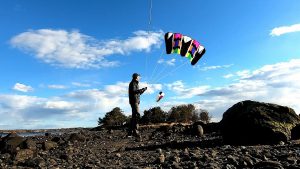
(77, 84)
(22, 88)
(243, 73)
(215, 67)
(185, 92)
(59, 105)
(151, 88)
(120, 88)
(285, 29)
(228, 76)
(76, 50)
(170, 62)
(57, 86)
(100, 100)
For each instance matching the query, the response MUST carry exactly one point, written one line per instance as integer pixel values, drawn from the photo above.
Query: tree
(113, 118)
(154, 115)
(205, 117)
(181, 113)
(201, 114)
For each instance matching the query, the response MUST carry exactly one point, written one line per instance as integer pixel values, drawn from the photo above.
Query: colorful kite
(185, 46)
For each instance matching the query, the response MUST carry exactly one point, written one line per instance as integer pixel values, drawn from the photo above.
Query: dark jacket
(134, 92)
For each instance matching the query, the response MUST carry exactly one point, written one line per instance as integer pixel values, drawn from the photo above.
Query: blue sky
(66, 64)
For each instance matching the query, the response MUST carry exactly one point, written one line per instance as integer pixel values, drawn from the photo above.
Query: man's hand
(144, 89)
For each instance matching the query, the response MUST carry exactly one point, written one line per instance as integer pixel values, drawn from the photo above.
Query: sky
(65, 64)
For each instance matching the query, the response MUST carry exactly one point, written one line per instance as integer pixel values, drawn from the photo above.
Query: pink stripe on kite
(177, 35)
(196, 43)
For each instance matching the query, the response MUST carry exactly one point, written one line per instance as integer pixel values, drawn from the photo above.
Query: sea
(30, 134)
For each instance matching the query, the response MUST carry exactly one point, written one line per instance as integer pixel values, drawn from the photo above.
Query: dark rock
(56, 139)
(268, 165)
(36, 162)
(212, 127)
(65, 156)
(159, 151)
(29, 144)
(5, 156)
(178, 128)
(23, 155)
(209, 127)
(176, 165)
(77, 137)
(296, 132)
(251, 122)
(48, 145)
(232, 160)
(11, 142)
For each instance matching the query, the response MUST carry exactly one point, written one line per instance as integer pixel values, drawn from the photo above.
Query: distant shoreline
(41, 130)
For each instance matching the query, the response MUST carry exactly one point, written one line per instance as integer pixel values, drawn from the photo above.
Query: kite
(185, 46)
(160, 96)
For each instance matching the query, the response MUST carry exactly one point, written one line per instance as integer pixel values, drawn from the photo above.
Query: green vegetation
(185, 113)
(113, 118)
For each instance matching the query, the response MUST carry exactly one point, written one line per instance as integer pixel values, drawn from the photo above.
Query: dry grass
(158, 125)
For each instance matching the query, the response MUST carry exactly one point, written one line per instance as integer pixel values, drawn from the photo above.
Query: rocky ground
(175, 146)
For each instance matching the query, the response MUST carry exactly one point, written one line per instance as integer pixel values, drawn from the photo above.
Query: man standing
(134, 101)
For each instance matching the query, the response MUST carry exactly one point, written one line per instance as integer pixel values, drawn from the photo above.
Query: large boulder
(249, 122)
(11, 142)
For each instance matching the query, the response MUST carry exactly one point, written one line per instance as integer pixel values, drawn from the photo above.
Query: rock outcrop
(250, 122)
(11, 143)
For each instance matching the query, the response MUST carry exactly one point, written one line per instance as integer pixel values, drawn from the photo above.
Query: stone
(161, 158)
(48, 145)
(159, 151)
(295, 133)
(249, 122)
(198, 130)
(77, 137)
(29, 144)
(268, 165)
(118, 155)
(11, 142)
(23, 155)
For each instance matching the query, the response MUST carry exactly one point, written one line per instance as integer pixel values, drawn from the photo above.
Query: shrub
(181, 113)
(113, 118)
(154, 115)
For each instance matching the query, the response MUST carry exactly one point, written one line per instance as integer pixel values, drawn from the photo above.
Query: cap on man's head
(135, 75)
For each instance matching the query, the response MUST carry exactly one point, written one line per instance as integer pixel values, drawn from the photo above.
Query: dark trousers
(134, 119)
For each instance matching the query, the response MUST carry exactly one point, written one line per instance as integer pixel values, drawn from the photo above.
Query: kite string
(171, 72)
(148, 38)
(159, 73)
(156, 65)
(150, 13)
